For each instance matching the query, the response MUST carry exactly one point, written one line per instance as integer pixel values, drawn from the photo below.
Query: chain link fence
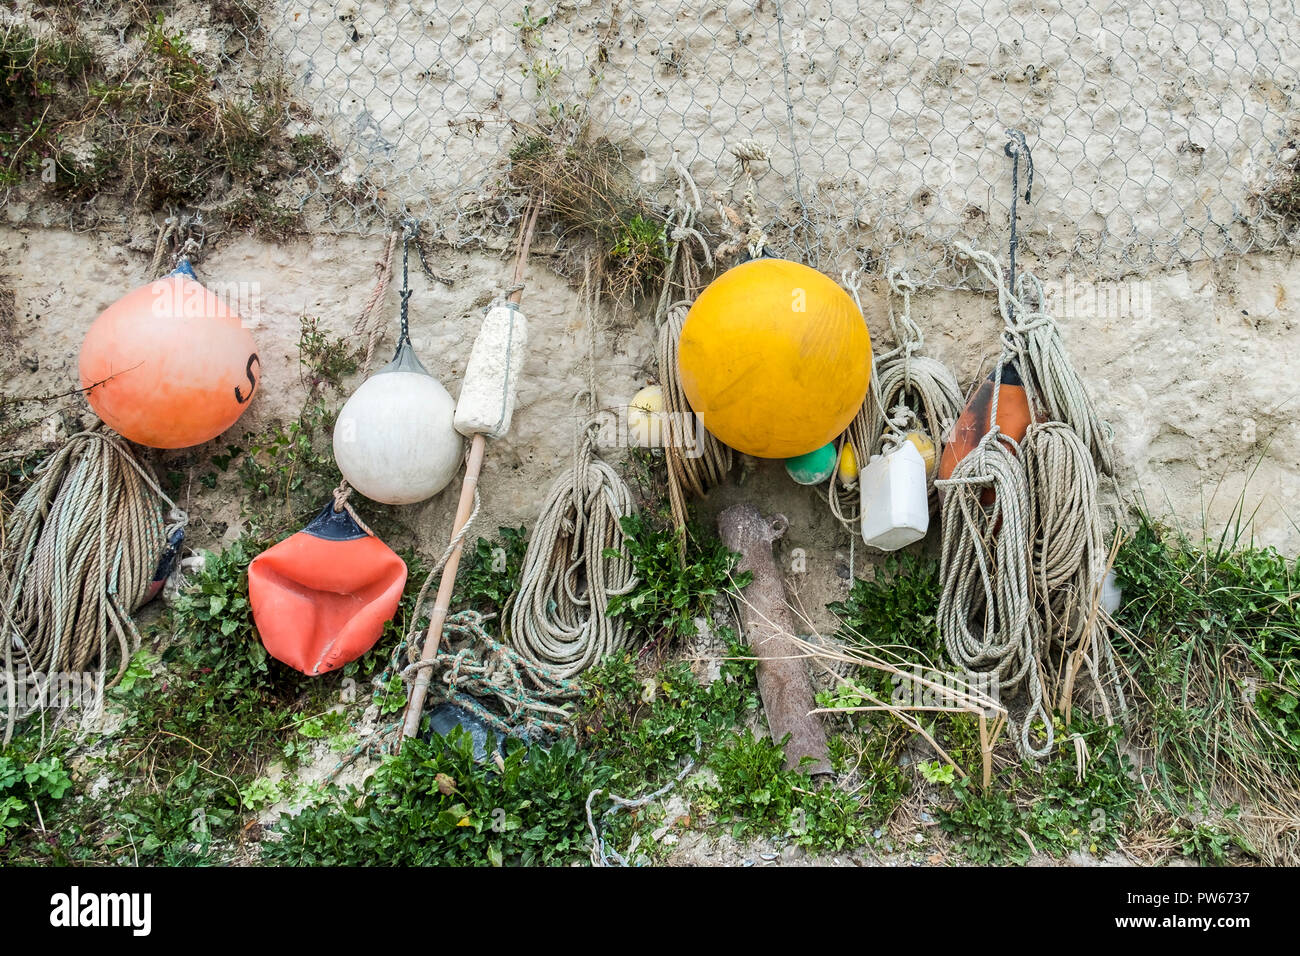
(1154, 125)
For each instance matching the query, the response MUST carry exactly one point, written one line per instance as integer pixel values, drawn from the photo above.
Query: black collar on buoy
(404, 360)
(1010, 374)
(763, 254)
(331, 525)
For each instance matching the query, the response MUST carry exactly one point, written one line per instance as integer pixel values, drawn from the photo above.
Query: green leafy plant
(287, 470)
(489, 573)
(1211, 843)
(672, 590)
(754, 794)
(24, 784)
(895, 612)
(1053, 805)
(935, 771)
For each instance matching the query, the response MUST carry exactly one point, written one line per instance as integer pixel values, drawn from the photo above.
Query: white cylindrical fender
(394, 440)
(487, 396)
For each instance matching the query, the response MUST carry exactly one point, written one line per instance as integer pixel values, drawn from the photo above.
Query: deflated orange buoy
(321, 597)
(973, 423)
(168, 365)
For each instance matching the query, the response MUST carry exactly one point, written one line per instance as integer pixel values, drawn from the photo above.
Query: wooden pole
(442, 603)
(477, 448)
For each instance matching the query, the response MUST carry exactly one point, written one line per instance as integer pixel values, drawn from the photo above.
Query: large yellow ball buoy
(775, 358)
(169, 365)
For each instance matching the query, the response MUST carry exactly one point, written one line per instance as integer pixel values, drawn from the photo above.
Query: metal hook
(1014, 146)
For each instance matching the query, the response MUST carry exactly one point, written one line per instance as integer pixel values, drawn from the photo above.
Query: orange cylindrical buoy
(321, 597)
(973, 423)
(169, 365)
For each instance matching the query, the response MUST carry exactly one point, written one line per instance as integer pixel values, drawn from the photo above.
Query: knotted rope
(745, 231)
(478, 667)
(181, 233)
(341, 495)
(696, 460)
(474, 666)
(81, 547)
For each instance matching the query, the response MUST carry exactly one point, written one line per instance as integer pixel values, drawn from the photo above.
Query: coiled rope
(985, 608)
(1065, 457)
(472, 666)
(81, 547)
(908, 391)
(1026, 571)
(577, 556)
(1033, 337)
(575, 562)
(1068, 561)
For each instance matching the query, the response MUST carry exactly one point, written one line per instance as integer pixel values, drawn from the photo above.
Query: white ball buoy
(394, 440)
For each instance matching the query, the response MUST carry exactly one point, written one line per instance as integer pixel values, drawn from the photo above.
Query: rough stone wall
(1199, 386)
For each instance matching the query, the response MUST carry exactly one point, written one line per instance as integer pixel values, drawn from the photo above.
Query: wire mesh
(1155, 125)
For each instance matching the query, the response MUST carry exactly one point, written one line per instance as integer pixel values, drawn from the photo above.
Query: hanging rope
(576, 561)
(180, 236)
(1068, 561)
(984, 609)
(577, 556)
(1032, 335)
(341, 503)
(370, 323)
(696, 460)
(81, 547)
(744, 228)
(908, 391)
(1025, 572)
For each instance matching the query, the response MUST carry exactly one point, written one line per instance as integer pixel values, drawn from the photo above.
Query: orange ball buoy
(775, 358)
(975, 420)
(169, 365)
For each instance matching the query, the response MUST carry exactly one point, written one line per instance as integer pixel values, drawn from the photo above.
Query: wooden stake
(477, 448)
(442, 603)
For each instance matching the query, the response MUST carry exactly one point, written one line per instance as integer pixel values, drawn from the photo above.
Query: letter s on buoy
(252, 381)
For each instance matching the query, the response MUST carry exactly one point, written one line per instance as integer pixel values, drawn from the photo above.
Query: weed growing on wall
(154, 131)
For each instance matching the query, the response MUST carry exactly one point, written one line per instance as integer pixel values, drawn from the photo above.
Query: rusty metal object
(768, 625)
